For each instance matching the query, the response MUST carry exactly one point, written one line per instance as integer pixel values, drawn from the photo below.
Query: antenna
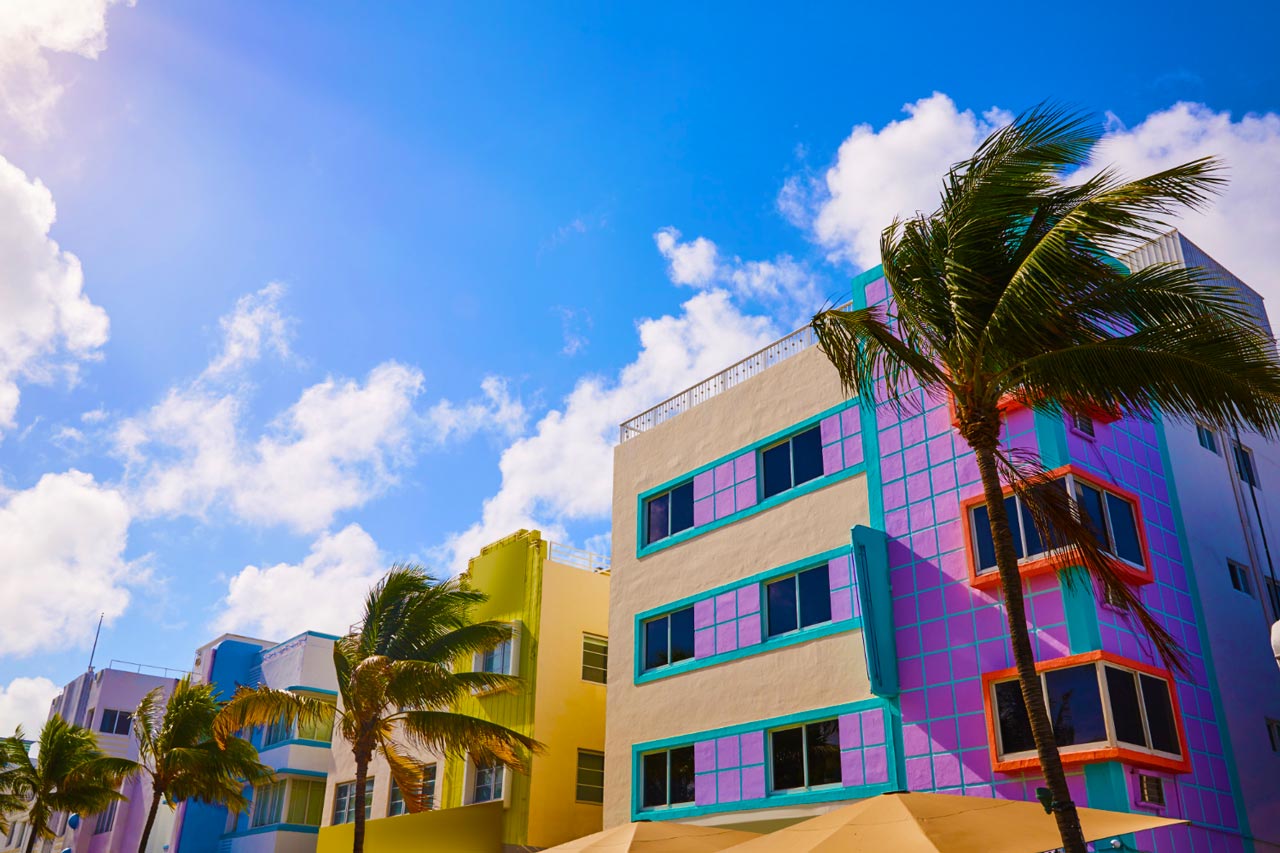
(94, 651)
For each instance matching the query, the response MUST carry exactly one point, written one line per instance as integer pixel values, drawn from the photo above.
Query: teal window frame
(770, 781)
(643, 640)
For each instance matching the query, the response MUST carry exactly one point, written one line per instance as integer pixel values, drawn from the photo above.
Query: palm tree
(398, 689)
(69, 773)
(179, 755)
(1009, 293)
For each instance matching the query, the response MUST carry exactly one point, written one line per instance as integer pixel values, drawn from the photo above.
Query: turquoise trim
(861, 280)
(818, 795)
(274, 827)
(760, 506)
(297, 741)
(306, 689)
(875, 600)
(1106, 786)
(1081, 608)
(1206, 649)
(802, 635)
(293, 771)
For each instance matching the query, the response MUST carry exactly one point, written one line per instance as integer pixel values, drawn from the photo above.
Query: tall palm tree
(68, 773)
(398, 690)
(1009, 293)
(179, 755)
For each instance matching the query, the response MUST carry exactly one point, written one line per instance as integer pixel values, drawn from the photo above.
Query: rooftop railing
(578, 557)
(147, 669)
(753, 365)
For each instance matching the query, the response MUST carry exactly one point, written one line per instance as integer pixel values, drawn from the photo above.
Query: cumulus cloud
(25, 702)
(62, 542)
(562, 472)
(47, 324)
(1239, 228)
(332, 579)
(693, 262)
(495, 411)
(30, 31)
(880, 174)
(255, 324)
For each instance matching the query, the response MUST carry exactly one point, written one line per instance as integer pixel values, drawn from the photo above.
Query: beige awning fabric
(657, 837)
(941, 823)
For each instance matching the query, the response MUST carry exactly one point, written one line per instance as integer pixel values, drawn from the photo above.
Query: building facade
(809, 599)
(556, 601)
(285, 814)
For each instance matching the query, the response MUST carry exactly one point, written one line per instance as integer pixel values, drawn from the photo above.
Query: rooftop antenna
(94, 650)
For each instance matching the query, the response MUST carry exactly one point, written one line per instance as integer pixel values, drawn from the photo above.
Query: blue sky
(355, 283)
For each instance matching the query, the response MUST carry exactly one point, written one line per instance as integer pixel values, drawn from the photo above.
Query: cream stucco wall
(816, 674)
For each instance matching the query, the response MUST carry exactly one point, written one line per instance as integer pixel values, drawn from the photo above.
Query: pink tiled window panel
(844, 589)
(725, 489)
(727, 622)
(841, 440)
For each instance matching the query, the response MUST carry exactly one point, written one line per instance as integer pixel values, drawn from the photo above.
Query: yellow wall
(568, 711)
(474, 829)
(816, 674)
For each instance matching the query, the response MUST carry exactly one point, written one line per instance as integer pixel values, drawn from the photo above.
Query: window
(595, 658)
(590, 776)
(668, 639)
(1273, 732)
(396, 804)
(319, 730)
(798, 601)
(306, 802)
(1141, 711)
(1244, 464)
(796, 460)
(1082, 424)
(668, 778)
(116, 722)
(106, 819)
(278, 731)
(1239, 577)
(669, 513)
(1208, 438)
(496, 659)
(487, 783)
(1113, 518)
(268, 803)
(1150, 790)
(344, 801)
(806, 756)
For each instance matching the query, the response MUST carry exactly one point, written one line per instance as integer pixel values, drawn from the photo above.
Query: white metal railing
(754, 364)
(147, 669)
(578, 557)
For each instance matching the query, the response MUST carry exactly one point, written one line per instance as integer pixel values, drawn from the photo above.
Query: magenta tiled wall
(948, 632)
(731, 769)
(841, 440)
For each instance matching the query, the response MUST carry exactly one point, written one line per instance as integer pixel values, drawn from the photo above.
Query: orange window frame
(1056, 560)
(1087, 756)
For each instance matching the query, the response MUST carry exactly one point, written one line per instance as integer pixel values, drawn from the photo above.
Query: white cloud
(497, 411)
(693, 262)
(563, 471)
(336, 448)
(47, 324)
(332, 580)
(879, 174)
(29, 30)
(62, 542)
(1239, 228)
(25, 702)
(255, 323)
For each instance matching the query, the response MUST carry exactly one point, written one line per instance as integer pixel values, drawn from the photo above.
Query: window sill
(782, 641)
(1050, 564)
(1093, 756)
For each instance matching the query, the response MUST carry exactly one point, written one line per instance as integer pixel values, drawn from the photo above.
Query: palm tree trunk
(362, 773)
(1019, 638)
(151, 820)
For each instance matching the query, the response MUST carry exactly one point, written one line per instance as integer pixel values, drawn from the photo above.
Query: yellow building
(557, 601)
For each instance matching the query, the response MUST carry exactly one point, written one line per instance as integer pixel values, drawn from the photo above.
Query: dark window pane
(823, 747)
(108, 721)
(1011, 513)
(806, 456)
(682, 507)
(659, 521)
(815, 596)
(1015, 726)
(1124, 528)
(655, 779)
(1028, 523)
(777, 469)
(1124, 706)
(782, 606)
(1075, 705)
(682, 784)
(1160, 722)
(655, 643)
(682, 635)
(986, 549)
(1090, 500)
(788, 759)
(123, 719)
